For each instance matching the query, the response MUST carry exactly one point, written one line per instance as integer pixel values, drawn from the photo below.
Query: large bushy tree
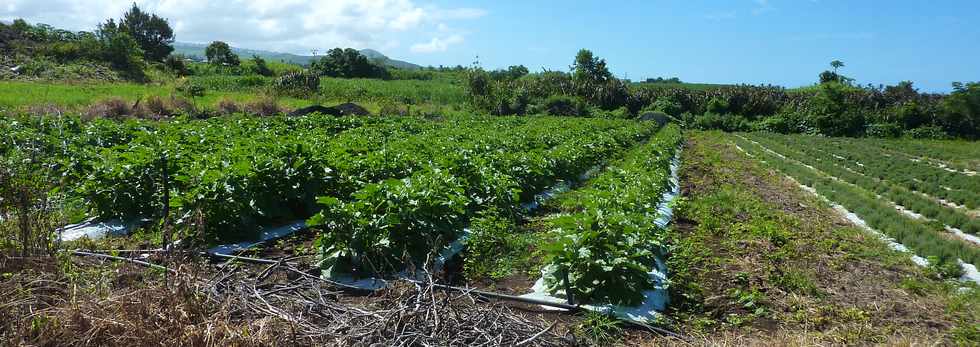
(119, 49)
(595, 83)
(153, 34)
(961, 110)
(832, 114)
(347, 63)
(219, 53)
(589, 69)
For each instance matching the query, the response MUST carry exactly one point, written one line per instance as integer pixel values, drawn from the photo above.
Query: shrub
(121, 51)
(227, 106)
(391, 108)
(186, 88)
(667, 105)
(184, 106)
(779, 123)
(717, 105)
(114, 108)
(884, 130)
(491, 243)
(831, 113)
(619, 113)
(176, 65)
(927, 132)
(710, 121)
(560, 105)
(153, 107)
(299, 84)
(260, 67)
(264, 106)
(961, 110)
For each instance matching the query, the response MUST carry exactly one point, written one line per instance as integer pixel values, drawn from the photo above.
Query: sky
(780, 42)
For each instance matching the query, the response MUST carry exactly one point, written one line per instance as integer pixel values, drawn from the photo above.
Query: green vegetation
(219, 53)
(607, 242)
(117, 124)
(422, 197)
(753, 256)
(347, 63)
(923, 238)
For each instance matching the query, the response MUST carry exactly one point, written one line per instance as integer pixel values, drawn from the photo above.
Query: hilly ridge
(196, 51)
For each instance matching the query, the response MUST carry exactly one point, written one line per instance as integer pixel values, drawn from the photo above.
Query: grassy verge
(15, 95)
(753, 255)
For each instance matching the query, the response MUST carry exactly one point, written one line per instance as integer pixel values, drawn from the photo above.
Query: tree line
(835, 106)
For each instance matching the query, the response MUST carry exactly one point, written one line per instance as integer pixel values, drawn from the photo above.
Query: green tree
(517, 71)
(260, 67)
(595, 83)
(589, 70)
(836, 64)
(961, 110)
(153, 34)
(219, 53)
(833, 114)
(119, 49)
(348, 63)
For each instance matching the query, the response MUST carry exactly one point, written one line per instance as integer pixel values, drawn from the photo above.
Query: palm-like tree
(836, 64)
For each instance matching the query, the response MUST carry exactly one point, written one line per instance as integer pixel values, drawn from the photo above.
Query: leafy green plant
(599, 329)
(493, 246)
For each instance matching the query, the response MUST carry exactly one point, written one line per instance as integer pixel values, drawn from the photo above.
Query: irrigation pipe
(134, 261)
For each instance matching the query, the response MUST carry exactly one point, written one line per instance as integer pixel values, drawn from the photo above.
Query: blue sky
(783, 42)
(931, 43)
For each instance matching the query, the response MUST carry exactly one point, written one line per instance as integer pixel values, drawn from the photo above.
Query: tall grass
(20, 95)
(437, 91)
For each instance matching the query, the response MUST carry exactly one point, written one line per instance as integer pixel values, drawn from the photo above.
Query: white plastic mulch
(266, 234)
(94, 230)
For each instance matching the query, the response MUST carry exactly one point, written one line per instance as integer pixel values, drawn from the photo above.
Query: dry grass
(228, 106)
(264, 107)
(84, 302)
(154, 107)
(124, 306)
(112, 108)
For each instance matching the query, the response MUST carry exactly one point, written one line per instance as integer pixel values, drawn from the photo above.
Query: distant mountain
(382, 59)
(196, 51)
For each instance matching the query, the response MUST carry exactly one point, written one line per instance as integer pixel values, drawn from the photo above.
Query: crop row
(962, 155)
(607, 240)
(242, 172)
(826, 162)
(481, 165)
(919, 176)
(919, 236)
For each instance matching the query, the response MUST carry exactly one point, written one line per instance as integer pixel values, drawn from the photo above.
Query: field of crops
(381, 187)
(908, 192)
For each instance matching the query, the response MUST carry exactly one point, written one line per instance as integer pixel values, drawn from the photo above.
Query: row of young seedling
(899, 170)
(827, 161)
(606, 240)
(942, 249)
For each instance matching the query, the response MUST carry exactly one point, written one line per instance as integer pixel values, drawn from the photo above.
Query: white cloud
(460, 13)
(290, 25)
(437, 44)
